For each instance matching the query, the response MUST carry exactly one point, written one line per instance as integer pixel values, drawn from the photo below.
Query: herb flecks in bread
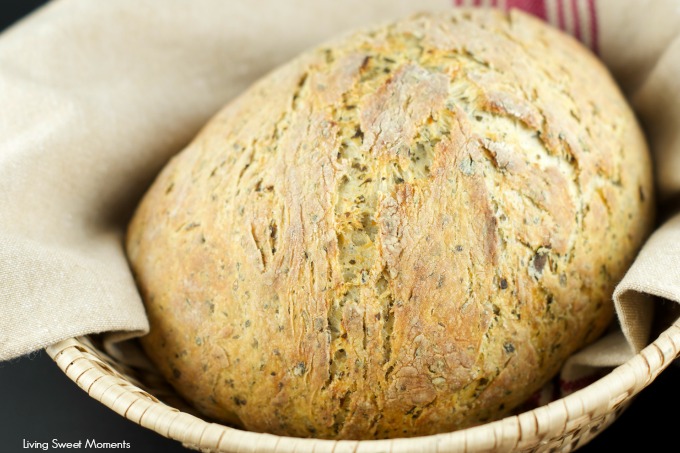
(403, 232)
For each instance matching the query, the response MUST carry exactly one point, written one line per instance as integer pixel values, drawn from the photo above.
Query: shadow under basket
(563, 425)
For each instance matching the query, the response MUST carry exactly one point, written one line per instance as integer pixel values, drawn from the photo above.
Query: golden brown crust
(402, 233)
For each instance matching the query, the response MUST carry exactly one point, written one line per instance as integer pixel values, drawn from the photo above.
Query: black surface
(13, 10)
(39, 403)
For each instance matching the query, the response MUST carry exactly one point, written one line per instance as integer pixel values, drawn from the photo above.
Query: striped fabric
(576, 17)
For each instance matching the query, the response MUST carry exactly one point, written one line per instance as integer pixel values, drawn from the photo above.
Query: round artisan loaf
(404, 232)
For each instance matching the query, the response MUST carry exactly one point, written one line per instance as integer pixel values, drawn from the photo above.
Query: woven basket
(134, 390)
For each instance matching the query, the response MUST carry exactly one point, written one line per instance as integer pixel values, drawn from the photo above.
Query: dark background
(38, 402)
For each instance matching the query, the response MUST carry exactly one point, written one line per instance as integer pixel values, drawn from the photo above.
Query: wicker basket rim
(562, 425)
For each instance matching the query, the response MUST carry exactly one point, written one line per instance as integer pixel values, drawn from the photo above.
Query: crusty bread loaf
(403, 232)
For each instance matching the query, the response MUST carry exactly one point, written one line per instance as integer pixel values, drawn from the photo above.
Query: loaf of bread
(403, 232)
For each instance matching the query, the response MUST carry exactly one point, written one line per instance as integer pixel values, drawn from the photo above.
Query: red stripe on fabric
(577, 19)
(535, 7)
(593, 26)
(560, 15)
(477, 3)
(578, 384)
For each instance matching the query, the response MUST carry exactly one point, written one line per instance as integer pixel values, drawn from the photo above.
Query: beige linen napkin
(96, 96)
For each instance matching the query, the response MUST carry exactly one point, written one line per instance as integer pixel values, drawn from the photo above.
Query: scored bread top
(403, 232)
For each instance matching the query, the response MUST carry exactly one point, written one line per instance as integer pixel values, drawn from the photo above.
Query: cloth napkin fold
(96, 96)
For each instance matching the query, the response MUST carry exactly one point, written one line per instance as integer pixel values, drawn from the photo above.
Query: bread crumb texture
(403, 232)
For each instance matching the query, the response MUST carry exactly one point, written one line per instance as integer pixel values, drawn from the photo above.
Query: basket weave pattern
(136, 392)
